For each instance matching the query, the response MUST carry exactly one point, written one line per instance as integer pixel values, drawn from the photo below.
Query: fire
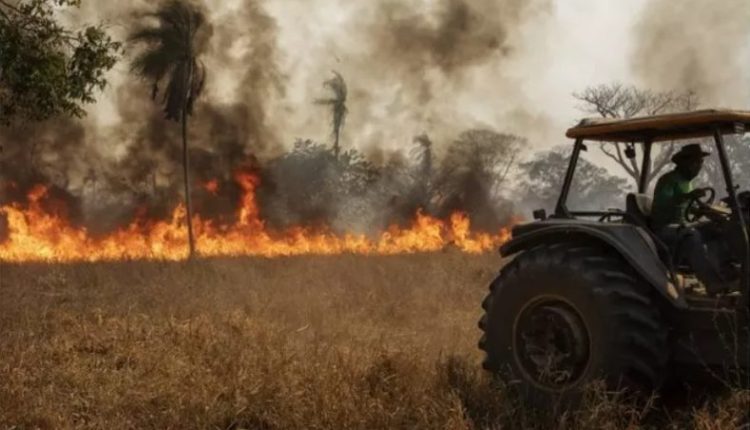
(212, 187)
(36, 235)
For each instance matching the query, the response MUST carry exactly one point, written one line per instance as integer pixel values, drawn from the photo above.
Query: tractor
(587, 296)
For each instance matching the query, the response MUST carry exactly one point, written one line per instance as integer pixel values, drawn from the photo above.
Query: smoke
(411, 67)
(230, 121)
(700, 45)
(33, 155)
(457, 36)
(408, 67)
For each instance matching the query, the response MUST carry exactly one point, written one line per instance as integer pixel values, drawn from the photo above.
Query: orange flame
(212, 187)
(35, 235)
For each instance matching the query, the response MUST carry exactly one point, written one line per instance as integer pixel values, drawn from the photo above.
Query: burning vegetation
(202, 128)
(222, 184)
(113, 186)
(306, 200)
(39, 230)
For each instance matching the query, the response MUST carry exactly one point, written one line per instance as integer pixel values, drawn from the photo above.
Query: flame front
(35, 235)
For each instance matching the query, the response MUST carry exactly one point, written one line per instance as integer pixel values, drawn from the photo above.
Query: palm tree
(171, 57)
(422, 154)
(337, 103)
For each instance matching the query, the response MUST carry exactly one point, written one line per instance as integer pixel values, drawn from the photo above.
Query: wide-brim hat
(690, 152)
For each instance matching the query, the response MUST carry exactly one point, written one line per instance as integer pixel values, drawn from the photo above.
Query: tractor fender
(630, 242)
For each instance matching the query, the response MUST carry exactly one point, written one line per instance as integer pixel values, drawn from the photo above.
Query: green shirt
(669, 200)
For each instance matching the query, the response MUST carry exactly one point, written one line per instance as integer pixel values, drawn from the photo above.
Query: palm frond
(176, 93)
(155, 35)
(153, 65)
(337, 85)
(170, 55)
(337, 102)
(198, 83)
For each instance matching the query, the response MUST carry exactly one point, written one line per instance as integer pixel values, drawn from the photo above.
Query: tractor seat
(638, 207)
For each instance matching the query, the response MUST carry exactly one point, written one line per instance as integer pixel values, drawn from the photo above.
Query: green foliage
(47, 69)
(170, 57)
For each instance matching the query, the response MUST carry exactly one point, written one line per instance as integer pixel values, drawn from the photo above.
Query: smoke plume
(407, 66)
(700, 45)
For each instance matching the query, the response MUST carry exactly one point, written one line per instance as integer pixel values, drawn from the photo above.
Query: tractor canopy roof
(660, 128)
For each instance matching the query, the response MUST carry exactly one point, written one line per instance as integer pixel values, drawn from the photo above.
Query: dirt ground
(301, 343)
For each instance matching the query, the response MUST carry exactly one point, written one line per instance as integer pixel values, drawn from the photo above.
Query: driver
(673, 192)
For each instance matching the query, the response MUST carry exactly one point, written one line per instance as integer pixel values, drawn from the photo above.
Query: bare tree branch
(617, 101)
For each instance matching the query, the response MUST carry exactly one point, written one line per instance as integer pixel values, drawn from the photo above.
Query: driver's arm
(683, 197)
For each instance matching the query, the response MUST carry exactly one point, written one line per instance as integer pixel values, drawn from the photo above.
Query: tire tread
(642, 344)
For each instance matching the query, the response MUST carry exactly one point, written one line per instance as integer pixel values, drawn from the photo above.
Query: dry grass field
(343, 342)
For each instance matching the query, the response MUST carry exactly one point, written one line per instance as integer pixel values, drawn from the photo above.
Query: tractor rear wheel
(563, 315)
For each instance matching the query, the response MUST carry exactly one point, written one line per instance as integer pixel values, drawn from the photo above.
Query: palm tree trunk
(186, 176)
(336, 143)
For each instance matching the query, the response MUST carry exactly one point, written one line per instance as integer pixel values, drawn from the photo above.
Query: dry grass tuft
(303, 343)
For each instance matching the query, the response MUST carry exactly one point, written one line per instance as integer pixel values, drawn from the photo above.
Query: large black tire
(582, 311)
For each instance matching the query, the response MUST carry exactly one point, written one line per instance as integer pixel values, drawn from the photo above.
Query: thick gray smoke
(125, 156)
(412, 67)
(701, 45)
(457, 36)
(406, 66)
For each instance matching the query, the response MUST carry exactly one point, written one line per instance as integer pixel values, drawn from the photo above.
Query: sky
(552, 48)
(576, 44)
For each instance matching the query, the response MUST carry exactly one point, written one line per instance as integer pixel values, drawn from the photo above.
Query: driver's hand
(697, 194)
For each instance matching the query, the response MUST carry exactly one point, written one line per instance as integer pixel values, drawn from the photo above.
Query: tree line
(49, 70)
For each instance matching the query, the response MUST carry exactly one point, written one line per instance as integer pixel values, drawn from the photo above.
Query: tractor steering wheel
(698, 206)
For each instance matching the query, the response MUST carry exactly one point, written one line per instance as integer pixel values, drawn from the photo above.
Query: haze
(551, 49)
